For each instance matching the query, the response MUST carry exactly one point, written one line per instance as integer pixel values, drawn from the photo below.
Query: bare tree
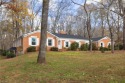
(88, 11)
(58, 14)
(42, 51)
(111, 29)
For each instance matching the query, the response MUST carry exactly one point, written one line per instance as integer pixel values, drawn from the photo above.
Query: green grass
(65, 67)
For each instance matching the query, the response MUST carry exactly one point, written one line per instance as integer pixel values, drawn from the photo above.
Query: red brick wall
(105, 41)
(26, 41)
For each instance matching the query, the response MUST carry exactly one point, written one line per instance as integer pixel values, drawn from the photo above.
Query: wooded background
(95, 18)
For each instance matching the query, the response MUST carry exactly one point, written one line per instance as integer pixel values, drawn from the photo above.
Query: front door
(59, 44)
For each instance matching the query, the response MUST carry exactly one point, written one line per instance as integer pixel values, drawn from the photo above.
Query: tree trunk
(103, 31)
(44, 21)
(124, 33)
(89, 34)
(118, 33)
(112, 44)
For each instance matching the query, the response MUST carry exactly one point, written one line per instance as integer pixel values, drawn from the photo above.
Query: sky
(52, 5)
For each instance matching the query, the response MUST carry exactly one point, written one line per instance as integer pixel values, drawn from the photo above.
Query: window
(49, 42)
(33, 41)
(102, 44)
(67, 44)
(109, 44)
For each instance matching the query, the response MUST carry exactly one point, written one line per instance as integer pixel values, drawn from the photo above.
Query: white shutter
(30, 41)
(53, 42)
(47, 42)
(64, 43)
(79, 44)
(37, 41)
(69, 43)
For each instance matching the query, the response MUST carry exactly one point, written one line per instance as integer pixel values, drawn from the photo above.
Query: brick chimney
(62, 32)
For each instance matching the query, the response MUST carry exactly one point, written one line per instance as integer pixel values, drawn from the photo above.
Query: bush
(4, 52)
(1, 51)
(10, 55)
(102, 49)
(118, 47)
(54, 49)
(31, 49)
(84, 47)
(94, 46)
(109, 47)
(74, 46)
(69, 49)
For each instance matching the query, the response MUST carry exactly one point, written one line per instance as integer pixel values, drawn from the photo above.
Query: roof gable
(99, 38)
(27, 34)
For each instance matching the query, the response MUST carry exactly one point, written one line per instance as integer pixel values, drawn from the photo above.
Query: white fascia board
(52, 34)
(25, 35)
(104, 38)
(67, 39)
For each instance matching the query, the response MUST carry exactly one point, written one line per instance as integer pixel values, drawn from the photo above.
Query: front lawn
(65, 67)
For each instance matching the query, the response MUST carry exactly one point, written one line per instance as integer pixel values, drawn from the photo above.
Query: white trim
(53, 42)
(102, 43)
(59, 45)
(25, 35)
(37, 43)
(67, 39)
(69, 43)
(109, 43)
(52, 34)
(30, 41)
(105, 38)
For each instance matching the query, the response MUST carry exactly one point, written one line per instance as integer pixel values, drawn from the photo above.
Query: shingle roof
(96, 39)
(69, 36)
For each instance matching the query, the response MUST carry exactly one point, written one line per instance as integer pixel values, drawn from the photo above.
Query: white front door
(59, 44)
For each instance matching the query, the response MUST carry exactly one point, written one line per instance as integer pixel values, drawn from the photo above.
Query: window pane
(33, 42)
(67, 44)
(50, 42)
(102, 44)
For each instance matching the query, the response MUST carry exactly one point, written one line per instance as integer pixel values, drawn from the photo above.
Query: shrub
(109, 47)
(84, 47)
(74, 46)
(94, 46)
(10, 55)
(1, 51)
(118, 47)
(102, 49)
(31, 49)
(69, 49)
(54, 49)
(4, 52)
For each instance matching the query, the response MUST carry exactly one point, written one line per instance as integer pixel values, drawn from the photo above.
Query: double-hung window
(102, 44)
(50, 42)
(33, 41)
(66, 44)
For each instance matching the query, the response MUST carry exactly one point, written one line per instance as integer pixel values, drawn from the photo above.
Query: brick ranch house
(60, 40)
